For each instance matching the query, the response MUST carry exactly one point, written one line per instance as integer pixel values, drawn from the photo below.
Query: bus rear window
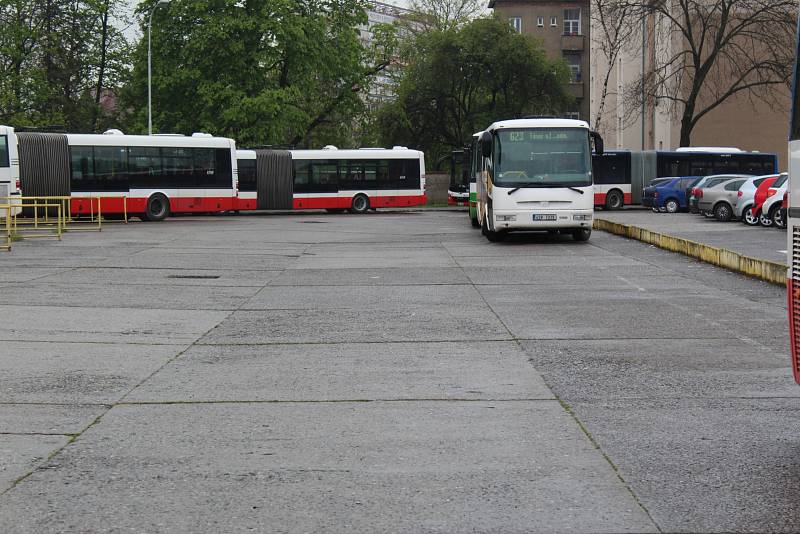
(3, 151)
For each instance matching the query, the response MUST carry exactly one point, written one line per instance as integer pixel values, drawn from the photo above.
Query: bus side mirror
(486, 144)
(598, 143)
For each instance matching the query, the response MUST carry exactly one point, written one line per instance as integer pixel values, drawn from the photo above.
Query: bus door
(274, 180)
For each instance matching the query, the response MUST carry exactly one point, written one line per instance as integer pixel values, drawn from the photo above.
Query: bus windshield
(542, 157)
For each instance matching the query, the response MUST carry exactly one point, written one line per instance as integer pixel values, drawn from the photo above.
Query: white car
(746, 198)
(771, 206)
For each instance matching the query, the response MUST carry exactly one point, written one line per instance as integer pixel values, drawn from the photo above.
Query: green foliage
(261, 71)
(58, 58)
(461, 80)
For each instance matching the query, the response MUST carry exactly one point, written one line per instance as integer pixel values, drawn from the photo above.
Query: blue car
(668, 194)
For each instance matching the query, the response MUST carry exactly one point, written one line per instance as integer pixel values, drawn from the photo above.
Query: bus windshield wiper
(514, 190)
(581, 191)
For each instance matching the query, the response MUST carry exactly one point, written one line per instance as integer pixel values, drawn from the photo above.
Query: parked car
(767, 189)
(772, 203)
(670, 195)
(647, 192)
(746, 199)
(708, 181)
(718, 198)
(779, 219)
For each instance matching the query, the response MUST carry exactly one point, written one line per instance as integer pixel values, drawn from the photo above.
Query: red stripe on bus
(793, 296)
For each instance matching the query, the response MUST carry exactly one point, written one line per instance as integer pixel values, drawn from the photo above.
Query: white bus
(9, 168)
(475, 169)
(793, 222)
(538, 176)
(331, 179)
(147, 176)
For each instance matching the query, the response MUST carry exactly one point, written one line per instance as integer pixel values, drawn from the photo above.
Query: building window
(572, 21)
(540, 22)
(554, 22)
(516, 23)
(574, 62)
(574, 115)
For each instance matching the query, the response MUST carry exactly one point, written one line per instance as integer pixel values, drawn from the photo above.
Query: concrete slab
(167, 259)
(668, 368)
(363, 297)
(47, 418)
(160, 293)
(19, 455)
(403, 258)
(115, 325)
(478, 370)
(515, 467)
(706, 465)
(425, 323)
(79, 373)
(100, 276)
(370, 277)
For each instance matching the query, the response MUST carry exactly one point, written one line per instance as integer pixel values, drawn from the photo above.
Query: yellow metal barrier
(6, 218)
(93, 221)
(39, 225)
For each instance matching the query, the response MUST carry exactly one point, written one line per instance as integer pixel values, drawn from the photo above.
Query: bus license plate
(544, 216)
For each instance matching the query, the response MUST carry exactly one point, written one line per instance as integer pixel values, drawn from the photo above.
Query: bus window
(144, 167)
(110, 168)
(82, 168)
(247, 174)
(324, 176)
(4, 151)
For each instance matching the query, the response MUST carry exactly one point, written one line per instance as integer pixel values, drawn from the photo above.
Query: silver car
(746, 198)
(719, 198)
(708, 181)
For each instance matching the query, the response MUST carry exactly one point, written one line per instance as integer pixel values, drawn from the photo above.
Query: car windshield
(542, 157)
(658, 181)
(780, 181)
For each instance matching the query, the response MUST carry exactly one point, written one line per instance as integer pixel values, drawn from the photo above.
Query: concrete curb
(766, 270)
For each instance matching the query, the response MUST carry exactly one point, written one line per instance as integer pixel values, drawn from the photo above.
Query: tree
(442, 15)
(56, 59)
(279, 72)
(613, 27)
(708, 51)
(459, 81)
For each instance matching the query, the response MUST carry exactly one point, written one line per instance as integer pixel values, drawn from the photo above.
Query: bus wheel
(157, 208)
(360, 204)
(582, 234)
(496, 237)
(614, 200)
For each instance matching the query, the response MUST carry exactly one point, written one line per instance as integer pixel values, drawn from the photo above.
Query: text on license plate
(544, 216)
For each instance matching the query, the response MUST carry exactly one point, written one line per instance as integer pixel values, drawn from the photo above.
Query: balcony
(575, 89)
(572, 43)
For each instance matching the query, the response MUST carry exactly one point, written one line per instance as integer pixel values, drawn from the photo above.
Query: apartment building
(564, 28)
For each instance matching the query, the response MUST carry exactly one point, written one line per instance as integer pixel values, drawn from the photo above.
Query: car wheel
(779, 218)
(157, 208)
(672, 206)
(722, 212)
(764, 219)
(582, 234)
(774, 215)
(360, 204)
(655, 209)
(749, 218)
(614, 200)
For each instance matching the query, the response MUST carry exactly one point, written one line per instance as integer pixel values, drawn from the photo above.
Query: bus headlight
(506, 218)
(581, 217)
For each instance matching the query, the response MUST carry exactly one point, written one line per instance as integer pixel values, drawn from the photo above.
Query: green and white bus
(475, 168)
(538, 176)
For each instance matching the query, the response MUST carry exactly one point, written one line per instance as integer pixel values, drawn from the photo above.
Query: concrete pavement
(387, 372)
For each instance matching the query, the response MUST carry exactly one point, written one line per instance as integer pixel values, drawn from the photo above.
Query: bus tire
(496, 237)
(614, 200)
(157, 208)
(360, 204)
(582, 234)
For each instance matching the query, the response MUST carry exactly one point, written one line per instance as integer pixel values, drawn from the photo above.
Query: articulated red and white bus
(331, 179)
(148, 176)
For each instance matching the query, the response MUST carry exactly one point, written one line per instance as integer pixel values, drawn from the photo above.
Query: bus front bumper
(542, 219)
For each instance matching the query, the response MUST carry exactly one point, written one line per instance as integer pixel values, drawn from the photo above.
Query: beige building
(564, 28)
(625, 123)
